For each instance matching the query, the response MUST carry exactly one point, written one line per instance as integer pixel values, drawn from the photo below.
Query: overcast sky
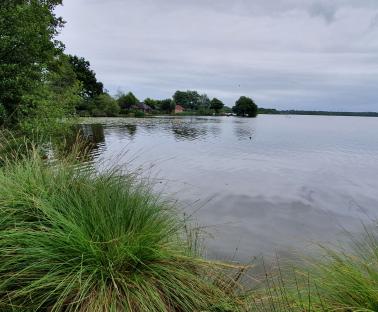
(301, 54)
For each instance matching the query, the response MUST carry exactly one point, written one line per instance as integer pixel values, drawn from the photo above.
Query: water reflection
(195, 128)
(94, 133)
(268, 183)
(129, 130)
(92, 136)
(243, 130)
(184, 131)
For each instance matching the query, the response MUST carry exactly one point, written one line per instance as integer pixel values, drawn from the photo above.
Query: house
(179, 109)
(143, 107)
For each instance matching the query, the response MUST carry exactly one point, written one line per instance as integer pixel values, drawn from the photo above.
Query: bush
(139, 114)
(124, 112)
(104, 106)
(98, 113)
(73, 240)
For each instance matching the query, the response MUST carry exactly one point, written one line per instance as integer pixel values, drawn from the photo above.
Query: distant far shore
(324, 113)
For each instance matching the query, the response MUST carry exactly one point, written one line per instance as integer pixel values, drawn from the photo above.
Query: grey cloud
(328, 12)
(374, 22)
(284, 53)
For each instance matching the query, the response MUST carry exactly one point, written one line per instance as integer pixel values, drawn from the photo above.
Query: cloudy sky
(301, 54)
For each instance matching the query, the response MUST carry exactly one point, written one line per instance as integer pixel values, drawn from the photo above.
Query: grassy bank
(71, 240)
(344, 279)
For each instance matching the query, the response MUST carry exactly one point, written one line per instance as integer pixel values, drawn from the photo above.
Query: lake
(264, 185)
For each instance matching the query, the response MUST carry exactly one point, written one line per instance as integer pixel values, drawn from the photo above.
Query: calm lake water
(262, 185)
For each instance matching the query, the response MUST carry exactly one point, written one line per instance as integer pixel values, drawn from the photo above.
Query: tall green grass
(344, 278)
(74, 240)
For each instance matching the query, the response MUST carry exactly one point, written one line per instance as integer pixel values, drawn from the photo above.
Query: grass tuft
(344, 279)
(73, 240)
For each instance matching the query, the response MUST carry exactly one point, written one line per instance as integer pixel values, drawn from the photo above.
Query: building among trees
(179, 109)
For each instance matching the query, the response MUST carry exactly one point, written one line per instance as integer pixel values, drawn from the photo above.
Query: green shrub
(124, 112)
(73, 240)
(104, 106)
(98, 113)
(139, 114)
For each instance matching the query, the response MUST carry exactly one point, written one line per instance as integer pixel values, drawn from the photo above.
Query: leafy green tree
(181, 98)
(91, 87)
(126, 101)
(204, 102)
(49, 105)
(216, 105)
(245, 106)
(166, 106)
(104, 105)
(151, 103)
(27, 49)
(188, 99)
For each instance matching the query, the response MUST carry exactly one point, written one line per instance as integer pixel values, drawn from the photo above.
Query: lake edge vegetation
(99, 242)
(106, 242)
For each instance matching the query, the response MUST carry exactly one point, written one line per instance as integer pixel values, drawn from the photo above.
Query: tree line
(191, 102)
(42, 86)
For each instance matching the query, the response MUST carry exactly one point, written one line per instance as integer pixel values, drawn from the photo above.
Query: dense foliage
(166, 105)
(187, 99)
(245, 106)
(127, 101)
(90, 86)
(154, 104)
(28, 52)
(216, 105)
(104, 105)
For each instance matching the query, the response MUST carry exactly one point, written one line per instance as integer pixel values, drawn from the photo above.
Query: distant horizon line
(263, 110)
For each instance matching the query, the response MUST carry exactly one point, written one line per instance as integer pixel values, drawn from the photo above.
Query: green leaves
(91, 87)
(126, 101)
(27, 49)
(245, 106)
(216, 104)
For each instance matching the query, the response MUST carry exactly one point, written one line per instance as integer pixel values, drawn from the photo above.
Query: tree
(227, 109)
(204, 101)
(188, 99)
(104, 105)
(181, 98)
(27, 49)
(216, 105)
(91, 87)
(46, 108)
(126, 101)
(245, 106)
(166, 105)
(151, 103)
